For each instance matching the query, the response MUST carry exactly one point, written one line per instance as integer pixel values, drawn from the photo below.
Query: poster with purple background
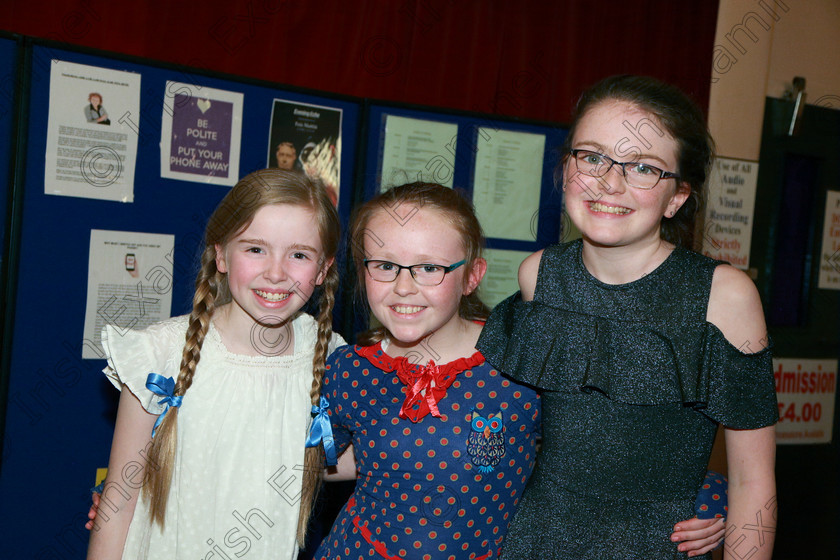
(200, 134)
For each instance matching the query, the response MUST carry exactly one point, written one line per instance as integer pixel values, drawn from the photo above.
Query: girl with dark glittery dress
(639, 347)
(444, 444)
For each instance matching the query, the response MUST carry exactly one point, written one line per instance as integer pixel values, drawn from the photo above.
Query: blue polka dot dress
(440, 472)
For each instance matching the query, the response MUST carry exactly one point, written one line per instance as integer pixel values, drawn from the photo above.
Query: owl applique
(486, 443)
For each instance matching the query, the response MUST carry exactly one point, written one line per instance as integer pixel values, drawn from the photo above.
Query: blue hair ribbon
(321, 430)
(163, 386)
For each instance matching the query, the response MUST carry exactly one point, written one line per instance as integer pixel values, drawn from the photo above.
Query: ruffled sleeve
(516, 342)
(741, 388)
(635, 362)
(560, 350)
(134, 354)
(336, 341)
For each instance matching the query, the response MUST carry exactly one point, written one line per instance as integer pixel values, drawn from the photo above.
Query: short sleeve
(339, 409)
(516, 342)
(134, 354)
(741, 388)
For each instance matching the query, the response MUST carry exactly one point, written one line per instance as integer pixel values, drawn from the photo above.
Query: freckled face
(273, 265)
(606, 210)
(408, 310)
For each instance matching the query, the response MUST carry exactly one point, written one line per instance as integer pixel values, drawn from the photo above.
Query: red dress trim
(386, 363)
(425, 385)
(378, 545)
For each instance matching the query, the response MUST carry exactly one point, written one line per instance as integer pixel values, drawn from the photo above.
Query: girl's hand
(699, 536)
(94, 508)
(345, 469)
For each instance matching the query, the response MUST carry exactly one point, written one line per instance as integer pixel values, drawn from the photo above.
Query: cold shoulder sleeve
(134, 354)
(741, 391)
(515, 341)
(635, 362)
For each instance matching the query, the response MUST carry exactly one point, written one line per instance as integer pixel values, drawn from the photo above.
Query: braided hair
(233, 215)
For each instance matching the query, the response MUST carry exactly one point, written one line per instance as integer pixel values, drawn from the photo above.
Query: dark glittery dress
(635, 382)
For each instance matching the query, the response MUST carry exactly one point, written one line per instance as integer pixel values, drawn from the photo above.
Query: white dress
(241, 433)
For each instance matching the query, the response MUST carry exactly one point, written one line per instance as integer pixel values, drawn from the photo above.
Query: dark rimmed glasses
(637, 174)
(425, 274)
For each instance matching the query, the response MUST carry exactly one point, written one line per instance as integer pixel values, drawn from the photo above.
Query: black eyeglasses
(424, 274)
(637, 174)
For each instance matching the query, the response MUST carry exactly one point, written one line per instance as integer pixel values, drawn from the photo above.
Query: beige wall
(760, 46)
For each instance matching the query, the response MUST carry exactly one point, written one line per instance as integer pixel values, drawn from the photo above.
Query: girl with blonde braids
(208, 455)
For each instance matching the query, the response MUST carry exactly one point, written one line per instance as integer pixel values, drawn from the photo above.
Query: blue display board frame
(11, 95)
(9, 48)
(60, 408)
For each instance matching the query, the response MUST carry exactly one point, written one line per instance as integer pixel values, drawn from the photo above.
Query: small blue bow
(163, 386)
(321, 430)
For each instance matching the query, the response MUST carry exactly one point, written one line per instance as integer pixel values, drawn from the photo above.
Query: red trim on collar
(386, 363)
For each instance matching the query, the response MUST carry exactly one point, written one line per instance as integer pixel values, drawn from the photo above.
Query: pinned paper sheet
(92, 132)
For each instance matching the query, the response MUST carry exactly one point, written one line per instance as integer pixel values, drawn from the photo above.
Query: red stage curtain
(525, 59)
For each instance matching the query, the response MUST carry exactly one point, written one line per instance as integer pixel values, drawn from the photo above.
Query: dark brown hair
(682, 119)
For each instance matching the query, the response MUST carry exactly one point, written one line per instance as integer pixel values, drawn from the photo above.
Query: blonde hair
(455, 209)
(234, 214)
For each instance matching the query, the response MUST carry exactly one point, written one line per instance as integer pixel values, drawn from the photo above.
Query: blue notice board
(60, 408)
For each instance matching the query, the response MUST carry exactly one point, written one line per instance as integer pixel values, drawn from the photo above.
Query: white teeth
(406, 309)
(271, 296)
(598, 207)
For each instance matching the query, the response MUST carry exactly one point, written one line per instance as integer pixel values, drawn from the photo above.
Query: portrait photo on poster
(307, 138)
(91, 150)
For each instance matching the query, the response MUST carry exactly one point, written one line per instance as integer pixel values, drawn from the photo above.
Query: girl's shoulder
(162, 334)
(306, 330)
(343, 352)
(172, 327)
(134, 353)
(544, 262)
(555, 254)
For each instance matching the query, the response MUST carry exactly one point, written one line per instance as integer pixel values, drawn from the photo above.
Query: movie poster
(307, 138)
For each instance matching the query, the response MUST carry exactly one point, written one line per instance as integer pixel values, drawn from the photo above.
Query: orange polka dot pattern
(712, 498)
(419, 495)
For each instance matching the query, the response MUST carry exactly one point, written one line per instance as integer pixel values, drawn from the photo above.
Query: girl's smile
(412, 312)
(272, 267)
(272, 297)
(601, 208)
(607, 210)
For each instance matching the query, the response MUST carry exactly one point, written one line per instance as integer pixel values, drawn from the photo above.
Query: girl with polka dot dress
(444, 443)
